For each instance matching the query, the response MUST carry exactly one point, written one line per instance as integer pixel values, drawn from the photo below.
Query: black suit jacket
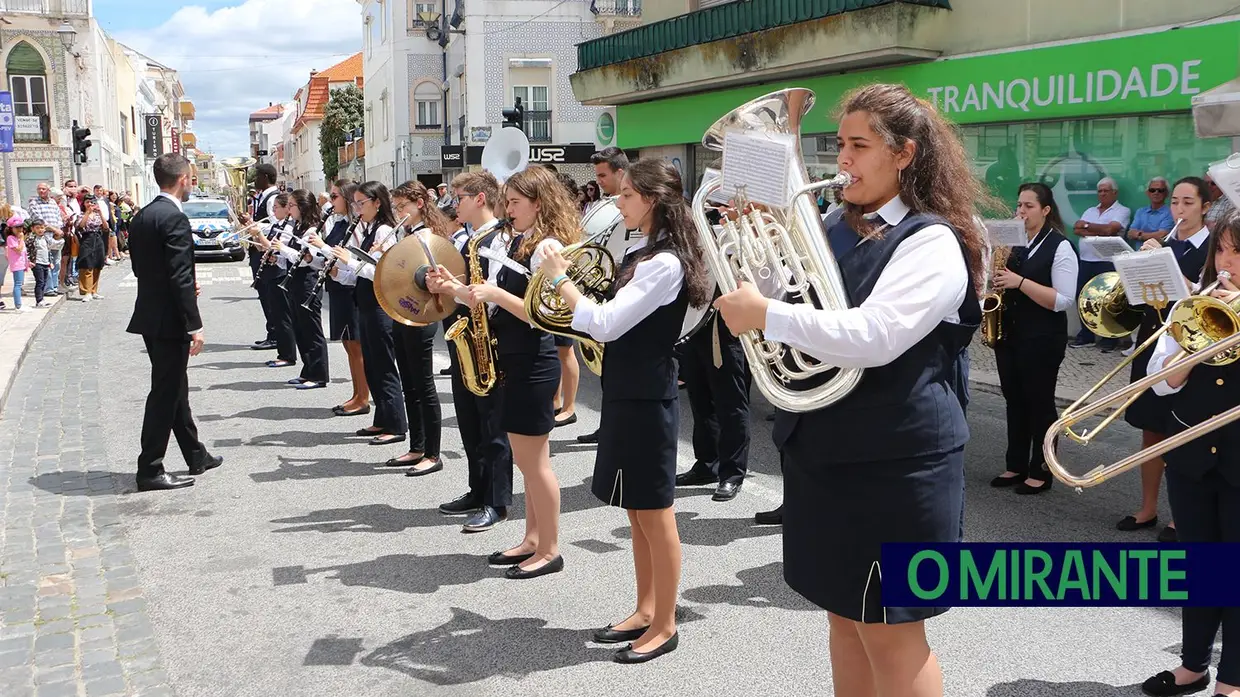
(161, 252)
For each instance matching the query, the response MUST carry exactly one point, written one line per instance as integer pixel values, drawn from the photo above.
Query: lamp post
(68, 37)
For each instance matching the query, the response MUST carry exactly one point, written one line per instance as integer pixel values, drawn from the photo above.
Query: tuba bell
(785, 245)
(237, 170)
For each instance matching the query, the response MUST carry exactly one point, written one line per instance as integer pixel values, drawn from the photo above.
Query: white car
(209, 218)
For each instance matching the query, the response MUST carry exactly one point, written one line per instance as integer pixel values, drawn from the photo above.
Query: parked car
(209, 218)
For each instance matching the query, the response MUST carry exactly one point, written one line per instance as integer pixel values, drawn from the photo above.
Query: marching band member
(1039, 286)
(565, 402)
(302, 294)
(340, 231)
(886, 462)
(661, 275)
(263, 211)
(415, 346)
(271, 271)
(373, 206)
(479, 418)
(1203, 475)
(1151, 413)
(541, 211)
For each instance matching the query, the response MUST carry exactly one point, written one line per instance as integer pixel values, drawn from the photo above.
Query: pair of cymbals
(400, 279)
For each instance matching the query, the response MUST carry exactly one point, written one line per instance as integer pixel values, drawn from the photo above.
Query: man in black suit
(161, 250)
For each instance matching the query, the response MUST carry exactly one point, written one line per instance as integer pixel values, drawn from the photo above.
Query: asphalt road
(303, 567)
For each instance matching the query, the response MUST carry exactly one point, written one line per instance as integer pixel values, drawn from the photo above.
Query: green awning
(24, 60)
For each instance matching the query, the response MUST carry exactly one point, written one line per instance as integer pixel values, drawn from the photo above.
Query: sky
(235, 56)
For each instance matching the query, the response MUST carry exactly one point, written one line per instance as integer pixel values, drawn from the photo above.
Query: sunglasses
(1156, 190)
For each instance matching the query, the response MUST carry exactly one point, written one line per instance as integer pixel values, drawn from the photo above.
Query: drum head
(396, 286)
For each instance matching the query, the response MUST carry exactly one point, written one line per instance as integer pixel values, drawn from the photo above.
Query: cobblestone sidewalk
(1082, 368)
(73, 619)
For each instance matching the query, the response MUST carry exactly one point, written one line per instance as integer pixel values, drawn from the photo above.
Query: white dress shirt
(354, 269)
(656, 282)
(293, 256)
(1117, 213)
(1163, 351)
(924, 284)
(1063, 274)
(174, 199)
(271, 202)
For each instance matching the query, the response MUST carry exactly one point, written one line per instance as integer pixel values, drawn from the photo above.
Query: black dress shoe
(775, 517)
(501, 559)
(1168, 535)
(726, 491)
(465, 503)
(484, 520)
(611, 635)
(263, 345)
(628, 655)
(163, 481)
(1129, 523)
(552, 567)
(588, 438)
(696, 477)
(1163, 685)
(203, 464)
(1002, 481)
(295, 381)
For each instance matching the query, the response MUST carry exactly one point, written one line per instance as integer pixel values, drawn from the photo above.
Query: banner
(153, 130)
(6, 122)
(176, 142)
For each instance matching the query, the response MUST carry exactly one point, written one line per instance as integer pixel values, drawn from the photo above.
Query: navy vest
(1191, 260)
(364, 297)
(1209, 391)
(641, 364)
(483, 263)
(512, 335)
(260, 208)
(911, 407)
(1022, 317)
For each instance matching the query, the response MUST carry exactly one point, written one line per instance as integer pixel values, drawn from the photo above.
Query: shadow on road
(711, 532)
(1042, 688)
(293, 468)
(90, 483)
(375, 517)
(761, 586)
(275, 413)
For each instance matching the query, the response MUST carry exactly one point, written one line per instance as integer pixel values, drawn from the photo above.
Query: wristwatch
(1086, 226)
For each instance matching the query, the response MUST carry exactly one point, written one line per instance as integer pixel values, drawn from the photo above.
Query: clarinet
(300, 245)
(330, 264)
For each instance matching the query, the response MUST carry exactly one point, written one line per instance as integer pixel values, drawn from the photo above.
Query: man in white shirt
(1107, 219)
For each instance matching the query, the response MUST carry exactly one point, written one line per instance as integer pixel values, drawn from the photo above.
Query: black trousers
(308, 324)
(379, 362)
(167, 407)
(280, 312)
(415, 348)
(261, 287)
(1028, 372)
(1207, 510)
(486, 445)
(719, 399)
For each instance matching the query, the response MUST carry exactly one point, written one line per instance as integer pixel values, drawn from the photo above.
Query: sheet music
(1007, 233)
(718, 196)
(1226, 175)
(1107, 248)
(1152, 277)
(757, 167)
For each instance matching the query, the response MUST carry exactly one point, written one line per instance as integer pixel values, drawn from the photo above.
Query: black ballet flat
(295, 381)
(415, 472)
(387, 439)
(610, 635)
(1163, 685)
(628, 655)
(552, 567)
(397, 462)
(366, 432)
(1129, 523)
(501, 559)
(339, 410)
(1026, 490)
(1001, 481)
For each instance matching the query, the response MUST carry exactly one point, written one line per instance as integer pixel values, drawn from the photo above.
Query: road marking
(206, 276)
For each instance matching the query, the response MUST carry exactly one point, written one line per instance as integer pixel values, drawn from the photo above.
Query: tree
(342, 115)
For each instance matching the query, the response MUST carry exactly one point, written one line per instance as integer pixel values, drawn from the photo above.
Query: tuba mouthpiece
(841, 180)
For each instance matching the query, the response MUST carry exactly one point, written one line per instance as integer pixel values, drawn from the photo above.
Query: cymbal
(397, 280)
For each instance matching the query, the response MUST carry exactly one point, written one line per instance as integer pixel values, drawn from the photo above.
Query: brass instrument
(992, 299)
(400, 278)
(471, 334)
(783, 246)
(236, 169)
(1207, 330)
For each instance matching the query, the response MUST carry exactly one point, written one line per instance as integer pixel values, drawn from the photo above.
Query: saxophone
(992, 300)
(471, 335)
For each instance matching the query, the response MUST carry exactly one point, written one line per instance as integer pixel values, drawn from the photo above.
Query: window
(427, 98)
(28, 84)
(124, 134)
(417, 9)
(133, 121)
(28, 179)
(534, 98)
(383, 108)
(385, 11)
(537, 117)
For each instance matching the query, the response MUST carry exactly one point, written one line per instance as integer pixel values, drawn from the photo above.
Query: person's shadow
(403, 573)
(762, 586)
(1043, 688)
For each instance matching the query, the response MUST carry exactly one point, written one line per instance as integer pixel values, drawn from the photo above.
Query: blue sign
(6, 122)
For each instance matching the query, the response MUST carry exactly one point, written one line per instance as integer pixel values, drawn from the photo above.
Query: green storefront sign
(1150, 73)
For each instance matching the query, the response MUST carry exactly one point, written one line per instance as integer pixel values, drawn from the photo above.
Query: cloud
(234, 60)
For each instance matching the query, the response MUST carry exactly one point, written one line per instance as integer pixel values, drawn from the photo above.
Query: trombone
(1208, 331)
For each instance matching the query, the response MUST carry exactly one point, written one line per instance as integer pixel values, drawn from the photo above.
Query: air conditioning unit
(1216, 113)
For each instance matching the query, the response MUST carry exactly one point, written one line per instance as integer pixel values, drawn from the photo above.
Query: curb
(8, 385)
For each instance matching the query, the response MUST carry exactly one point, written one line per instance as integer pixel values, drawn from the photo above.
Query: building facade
(266, 129)
(1068, 103)
(302, 155)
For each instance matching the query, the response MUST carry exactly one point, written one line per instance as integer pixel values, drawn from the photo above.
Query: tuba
(471, 335)
(785, 246)
(992, 299)
(237, 170)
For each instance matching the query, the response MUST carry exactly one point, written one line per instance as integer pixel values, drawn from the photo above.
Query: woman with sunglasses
(373, 206)
(304, 302)
(1039, 286)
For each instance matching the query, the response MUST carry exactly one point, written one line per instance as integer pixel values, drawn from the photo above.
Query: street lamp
(68, 35)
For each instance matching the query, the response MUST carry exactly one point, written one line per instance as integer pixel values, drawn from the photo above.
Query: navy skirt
(529, 384)
(563, 340)
(635, 467)
(342, 318)
(1150, 412)
(837, 516)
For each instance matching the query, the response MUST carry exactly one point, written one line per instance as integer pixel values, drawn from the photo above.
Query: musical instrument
(1208, 331)
(400, 278)
(506, 153)
(364, 256)
(471, 334)
(308, 253)
(332, 260)
(992, 299)
(236, 169)
(785, 246)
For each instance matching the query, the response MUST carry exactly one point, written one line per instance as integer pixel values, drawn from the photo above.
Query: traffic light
(514, 117)
(80, 143)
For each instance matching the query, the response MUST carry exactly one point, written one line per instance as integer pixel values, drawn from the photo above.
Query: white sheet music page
(1152, 277)
(1007, 233)
(1227, 175)
(756, 165)
(1106, 247)
(718, 195)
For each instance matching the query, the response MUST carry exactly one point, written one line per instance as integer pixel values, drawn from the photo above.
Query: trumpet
(1208, 331)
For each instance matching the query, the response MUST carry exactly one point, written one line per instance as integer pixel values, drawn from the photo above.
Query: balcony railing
(32, 129)
(538, 126)
(47, 7)
(725, 21)
(616, 8)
